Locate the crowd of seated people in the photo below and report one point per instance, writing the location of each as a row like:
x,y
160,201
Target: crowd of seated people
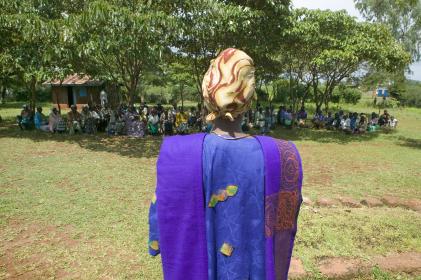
x,y
124,120
265,119
157,120
353,122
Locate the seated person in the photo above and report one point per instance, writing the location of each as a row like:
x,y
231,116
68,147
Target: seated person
x,y
55,122
88,123
362,124
281,115
374,119
336,124
288,118
153,122
167,121
354,121
318,119
393,123
302,114
40,120
192,118
25,118
74,120
181,122
346,123
329,121
384,119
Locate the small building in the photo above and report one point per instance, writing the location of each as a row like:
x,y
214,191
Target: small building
x,y
75,90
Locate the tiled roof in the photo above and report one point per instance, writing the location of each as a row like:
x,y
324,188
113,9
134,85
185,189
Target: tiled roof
x,y
75,80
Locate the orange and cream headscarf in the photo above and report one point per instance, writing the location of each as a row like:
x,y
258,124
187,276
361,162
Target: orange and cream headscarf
x,y
229,85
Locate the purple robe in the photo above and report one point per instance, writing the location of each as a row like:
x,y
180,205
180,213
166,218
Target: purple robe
x,y
181,206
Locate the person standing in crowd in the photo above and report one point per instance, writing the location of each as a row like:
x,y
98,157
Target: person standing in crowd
x,y
104,98
260,120
268,120
159,110
74,120
40,120
226,203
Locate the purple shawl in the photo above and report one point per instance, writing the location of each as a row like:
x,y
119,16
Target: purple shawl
x,y
181,207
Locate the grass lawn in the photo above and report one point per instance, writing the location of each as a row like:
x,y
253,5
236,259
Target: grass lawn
x,y
76,207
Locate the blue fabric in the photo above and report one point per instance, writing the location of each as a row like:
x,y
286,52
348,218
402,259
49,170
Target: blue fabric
x,y
153,228
238,221
38,120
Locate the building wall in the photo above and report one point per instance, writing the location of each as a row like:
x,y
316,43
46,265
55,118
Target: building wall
x,y
82,95
59,93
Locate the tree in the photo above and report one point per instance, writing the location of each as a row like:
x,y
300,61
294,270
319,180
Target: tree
x,y
208,27
403,17
32,50
325,48
119,41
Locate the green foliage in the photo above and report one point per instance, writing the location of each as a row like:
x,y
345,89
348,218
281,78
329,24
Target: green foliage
x,y
325,47
403,17
349,95
119,41
208,27
411,96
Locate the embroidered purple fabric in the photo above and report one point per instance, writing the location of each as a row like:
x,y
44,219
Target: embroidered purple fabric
x,y
181,207
283,183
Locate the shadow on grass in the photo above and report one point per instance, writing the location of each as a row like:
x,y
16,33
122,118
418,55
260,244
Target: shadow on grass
x,y
322,135
149,146
409,142
126,146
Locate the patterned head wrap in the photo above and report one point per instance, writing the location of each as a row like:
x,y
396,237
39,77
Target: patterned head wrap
x,y
229,84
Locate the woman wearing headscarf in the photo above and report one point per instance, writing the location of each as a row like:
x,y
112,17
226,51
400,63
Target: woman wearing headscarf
x,y
134,125
226,203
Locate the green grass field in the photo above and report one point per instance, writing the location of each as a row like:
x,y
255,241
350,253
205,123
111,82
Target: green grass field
x,y
76,207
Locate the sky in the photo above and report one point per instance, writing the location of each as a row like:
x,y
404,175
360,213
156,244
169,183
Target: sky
x,y
349,6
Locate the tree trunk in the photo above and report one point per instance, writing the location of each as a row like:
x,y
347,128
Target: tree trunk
x,y
182,96
3,94
33,100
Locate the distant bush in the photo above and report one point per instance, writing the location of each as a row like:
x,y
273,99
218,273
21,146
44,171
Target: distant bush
x,y
412,95
348,95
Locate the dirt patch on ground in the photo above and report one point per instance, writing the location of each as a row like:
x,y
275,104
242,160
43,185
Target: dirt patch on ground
x,y
345,268
296,269
392,201
372,202
30,250
339,268
404,262
307,201
326,202
350,202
